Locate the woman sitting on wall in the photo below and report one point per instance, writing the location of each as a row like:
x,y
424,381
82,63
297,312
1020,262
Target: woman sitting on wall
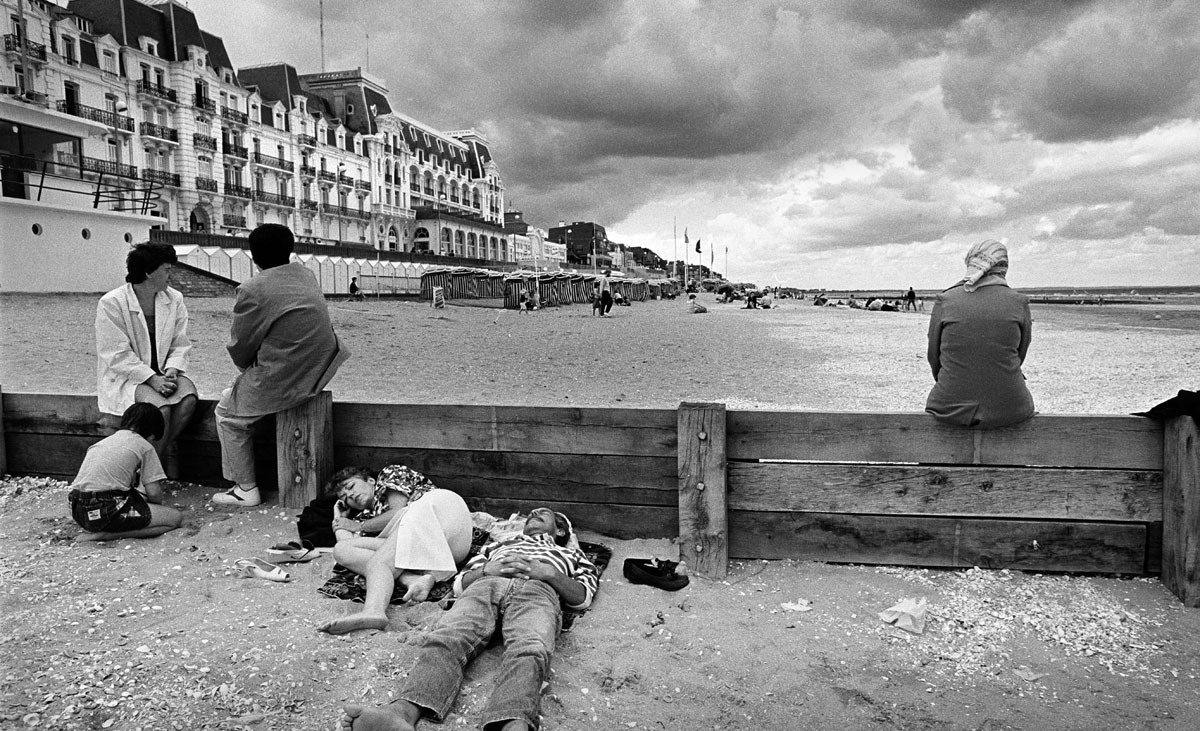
x,y
142,344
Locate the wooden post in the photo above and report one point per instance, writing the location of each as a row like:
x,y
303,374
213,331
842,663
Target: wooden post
x,y
703,523
3,452
304,449
1181,510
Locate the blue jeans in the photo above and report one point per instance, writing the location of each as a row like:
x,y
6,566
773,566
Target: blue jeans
x,y
527,613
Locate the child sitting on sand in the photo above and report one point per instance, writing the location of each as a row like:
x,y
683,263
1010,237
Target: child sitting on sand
x,y
119,478
366,502
695,307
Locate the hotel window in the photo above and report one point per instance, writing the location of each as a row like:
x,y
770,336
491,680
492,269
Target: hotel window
x,y
109,62
159,77
205,166
114,151
203,126
68,51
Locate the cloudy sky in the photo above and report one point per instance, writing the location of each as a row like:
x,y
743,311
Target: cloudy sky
x,y
813,143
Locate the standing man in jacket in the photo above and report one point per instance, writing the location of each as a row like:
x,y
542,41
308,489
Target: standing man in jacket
x,y
284,346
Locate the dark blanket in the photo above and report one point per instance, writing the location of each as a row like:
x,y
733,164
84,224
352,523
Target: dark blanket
x,y
347,585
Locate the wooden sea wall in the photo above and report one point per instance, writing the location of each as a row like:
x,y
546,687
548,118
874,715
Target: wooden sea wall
x,y
1058,493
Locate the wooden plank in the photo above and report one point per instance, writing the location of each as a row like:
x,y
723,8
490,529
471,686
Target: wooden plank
x,y
624,522
1108,442
703,527
941,542
583,478
1064,494
41,413
1181,510
634,432
3,450
304,450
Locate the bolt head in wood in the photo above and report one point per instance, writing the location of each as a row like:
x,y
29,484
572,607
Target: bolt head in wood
x,y
699,548
702,435
699,485
297,434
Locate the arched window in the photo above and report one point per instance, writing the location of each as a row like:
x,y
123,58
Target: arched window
x,y
446,245
414,179
466,193
471,250
475,199
428,184
459,245
393,240
421,239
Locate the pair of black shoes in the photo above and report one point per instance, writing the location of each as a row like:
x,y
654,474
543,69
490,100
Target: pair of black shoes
x,y
652,572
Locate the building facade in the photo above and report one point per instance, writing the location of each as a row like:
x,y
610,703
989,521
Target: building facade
x,y
228,149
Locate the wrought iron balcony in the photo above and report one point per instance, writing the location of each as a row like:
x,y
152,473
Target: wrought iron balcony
x,y
150,129
275,162
203,102
233,220
103,116
34,51
307,205
344,179
275,199
236,151
161,176
234,115
145,86
307,140
327,176
362,184
96,165
308,171
238,191
204,142
414,187
206,184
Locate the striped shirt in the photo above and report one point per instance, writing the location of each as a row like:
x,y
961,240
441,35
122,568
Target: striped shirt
x,y
570,561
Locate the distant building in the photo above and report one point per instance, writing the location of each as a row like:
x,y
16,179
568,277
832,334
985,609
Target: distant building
x,y
586,243
227,150
645,258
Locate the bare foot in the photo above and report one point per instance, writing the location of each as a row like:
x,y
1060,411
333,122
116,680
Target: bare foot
x,y
419,586
353,623
363,718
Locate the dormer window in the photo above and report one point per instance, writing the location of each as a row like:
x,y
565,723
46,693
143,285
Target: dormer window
x,y
151,47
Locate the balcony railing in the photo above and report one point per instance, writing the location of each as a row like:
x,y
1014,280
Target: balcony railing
x,y
307,140
308,171
307,205
145,86
344,179
233,221
414,187
275,162
347,212
150,129
429,190
34,51
238,191
326,175
236,150
203,102
206,184
96,165
161,176
275,199
362,184
103,116
234,115
204,142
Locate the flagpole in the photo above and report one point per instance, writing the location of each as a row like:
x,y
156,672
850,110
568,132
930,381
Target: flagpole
x,y
675,244
727,263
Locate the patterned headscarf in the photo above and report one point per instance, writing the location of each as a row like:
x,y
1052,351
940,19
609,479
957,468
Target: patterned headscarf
x,y
986,259
404,480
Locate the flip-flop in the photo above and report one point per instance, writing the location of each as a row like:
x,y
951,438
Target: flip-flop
x,y
293,552
258,568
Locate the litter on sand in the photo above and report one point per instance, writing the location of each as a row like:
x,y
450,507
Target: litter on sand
x,y
908,615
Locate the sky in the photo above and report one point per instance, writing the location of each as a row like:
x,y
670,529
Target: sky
x,y
836,144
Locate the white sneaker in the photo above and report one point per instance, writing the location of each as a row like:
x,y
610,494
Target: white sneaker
x,y
238,498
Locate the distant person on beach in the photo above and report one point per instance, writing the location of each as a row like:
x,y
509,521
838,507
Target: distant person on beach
x,y
425,535
979,333
606,298
768,299
355,292
119,479
514,589
695,307
142,344
910,300
284,346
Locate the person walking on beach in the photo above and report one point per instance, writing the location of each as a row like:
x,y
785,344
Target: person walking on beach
x,y
284,346
979,333
515,589
606,298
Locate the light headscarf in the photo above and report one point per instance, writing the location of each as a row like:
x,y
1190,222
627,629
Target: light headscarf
x,y
987,263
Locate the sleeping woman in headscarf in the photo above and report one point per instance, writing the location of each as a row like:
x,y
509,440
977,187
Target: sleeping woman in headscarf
x,y
426,536
979,332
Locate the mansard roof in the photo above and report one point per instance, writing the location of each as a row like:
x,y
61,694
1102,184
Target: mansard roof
x,y
171,25
276,82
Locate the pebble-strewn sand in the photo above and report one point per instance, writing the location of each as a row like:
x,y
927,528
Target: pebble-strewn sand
x,y
1111,359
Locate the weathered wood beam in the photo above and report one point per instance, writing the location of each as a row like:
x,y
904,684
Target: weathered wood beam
x,y
1181,510
703,527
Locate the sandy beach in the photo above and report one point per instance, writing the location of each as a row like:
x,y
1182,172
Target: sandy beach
x,y
163,633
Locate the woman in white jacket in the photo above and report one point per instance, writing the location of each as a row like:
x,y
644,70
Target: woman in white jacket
x,y
131,365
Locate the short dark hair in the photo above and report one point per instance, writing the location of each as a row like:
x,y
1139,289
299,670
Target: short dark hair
x,y
345,473
143,259
271,245
144,419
